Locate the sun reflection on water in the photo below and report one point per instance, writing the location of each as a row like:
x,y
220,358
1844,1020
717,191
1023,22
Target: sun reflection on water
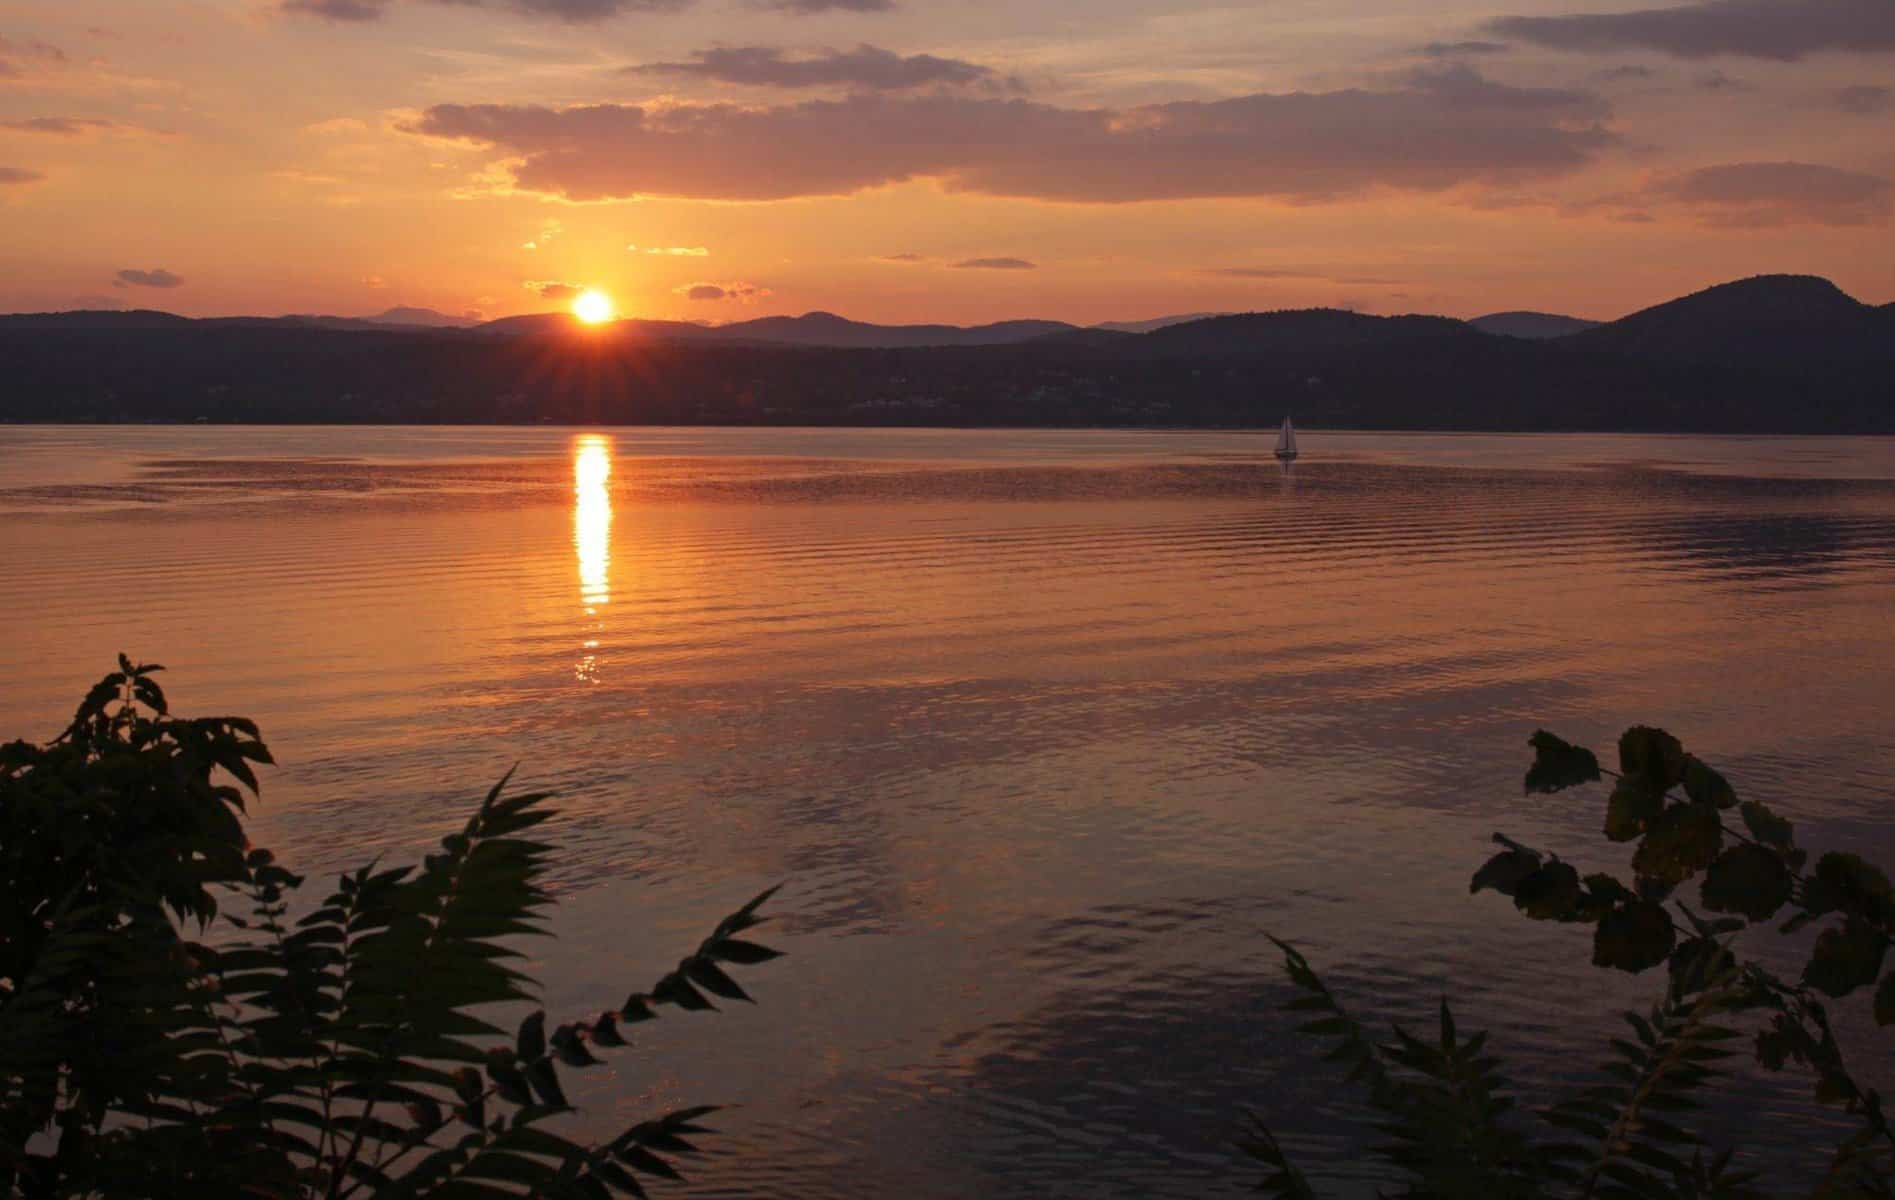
x,y
592,534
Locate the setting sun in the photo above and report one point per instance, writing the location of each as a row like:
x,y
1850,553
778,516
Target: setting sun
x,y
593,307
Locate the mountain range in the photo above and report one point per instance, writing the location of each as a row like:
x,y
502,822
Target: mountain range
x,y
1771,353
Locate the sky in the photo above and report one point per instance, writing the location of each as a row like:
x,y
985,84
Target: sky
x,y
938,160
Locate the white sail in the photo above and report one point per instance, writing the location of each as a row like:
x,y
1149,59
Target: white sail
x,y
1286,440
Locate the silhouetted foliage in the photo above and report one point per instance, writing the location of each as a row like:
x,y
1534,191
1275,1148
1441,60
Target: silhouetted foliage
x,y
1448,1118
345,1050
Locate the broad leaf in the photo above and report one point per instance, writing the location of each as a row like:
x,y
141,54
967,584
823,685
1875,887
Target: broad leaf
x,y
1846,958
1652,755
1633,937
1680,842
1632,808
1705,786
1558,764
1747,879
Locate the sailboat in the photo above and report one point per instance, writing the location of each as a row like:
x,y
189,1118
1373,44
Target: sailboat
x,y
1286,441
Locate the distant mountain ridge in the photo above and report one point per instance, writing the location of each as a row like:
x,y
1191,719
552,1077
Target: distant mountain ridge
x,y
1763,319
1154,323
1768,354
1773,354
425,318
1533,326
1296,329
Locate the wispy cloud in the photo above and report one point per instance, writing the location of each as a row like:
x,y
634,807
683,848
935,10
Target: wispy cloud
x,y
671,251
574,11
552,289
1718,81
157,277
743,293
1783,30
67,127
1765,194
1462,49
865,66
1864,99
810,8
11,176
337,10
1298,274
31,48
994,264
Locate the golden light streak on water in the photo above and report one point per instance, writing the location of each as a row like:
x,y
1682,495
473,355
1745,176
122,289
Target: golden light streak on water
x,y
592,535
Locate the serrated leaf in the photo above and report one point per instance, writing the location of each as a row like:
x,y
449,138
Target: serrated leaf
x,y
1846,958
1652,755
1747,879
1633,806
1558,764
1679,842
1705,786
1635,936
1765,825
1504,871
1550,893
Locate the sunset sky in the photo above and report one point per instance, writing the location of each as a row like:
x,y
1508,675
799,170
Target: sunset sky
x,y
958,160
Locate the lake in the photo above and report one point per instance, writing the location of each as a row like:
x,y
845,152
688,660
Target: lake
x,y
1043,732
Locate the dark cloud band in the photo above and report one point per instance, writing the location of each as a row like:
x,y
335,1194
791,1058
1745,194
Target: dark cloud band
x,y
1783,30
1440,129
866,66
157,277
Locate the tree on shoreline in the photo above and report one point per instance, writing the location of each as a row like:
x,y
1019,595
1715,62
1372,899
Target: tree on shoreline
x,y
340,1051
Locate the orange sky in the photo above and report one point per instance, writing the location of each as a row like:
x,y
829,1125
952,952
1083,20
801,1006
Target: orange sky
x,y
907,160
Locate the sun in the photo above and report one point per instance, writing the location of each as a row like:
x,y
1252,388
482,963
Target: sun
x,y
593,307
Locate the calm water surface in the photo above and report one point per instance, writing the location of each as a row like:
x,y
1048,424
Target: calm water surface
x,y
1044,731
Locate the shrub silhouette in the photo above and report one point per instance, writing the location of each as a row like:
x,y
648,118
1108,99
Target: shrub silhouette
x,y
335,1052
1450,1122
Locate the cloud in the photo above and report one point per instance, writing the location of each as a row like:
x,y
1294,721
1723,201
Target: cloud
x,y
16,175
743,293
157,277
1864,99
1717,81
673,251
1617,74
995,264
1285,273
901,258
357,11
1462,49
812,7
61,126
1783,30
548,231
1436,129
337,10
94,302
31,48
865,66
549,289
1760,195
